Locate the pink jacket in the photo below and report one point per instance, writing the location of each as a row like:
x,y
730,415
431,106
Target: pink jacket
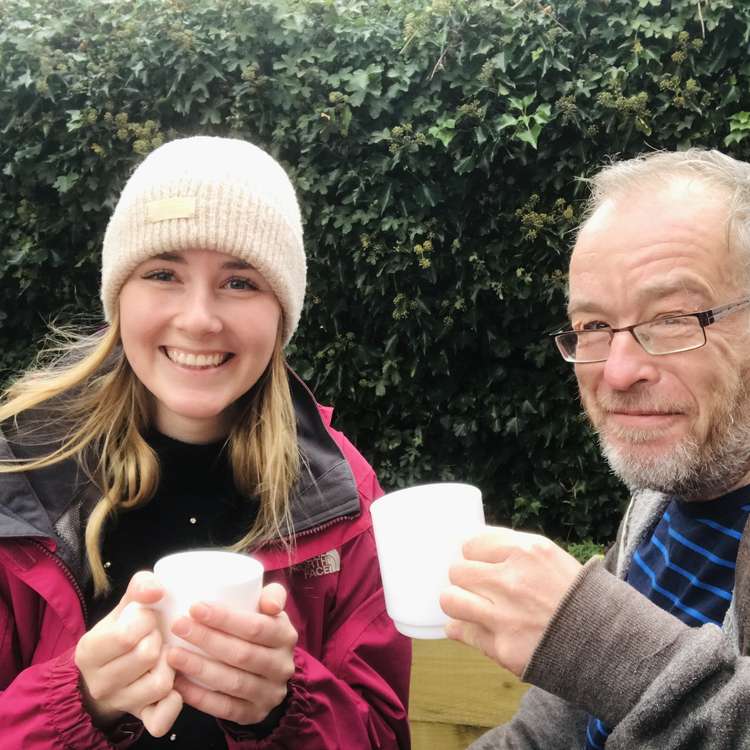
x,y
350,687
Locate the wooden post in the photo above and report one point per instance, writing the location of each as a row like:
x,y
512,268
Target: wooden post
x,y
457,693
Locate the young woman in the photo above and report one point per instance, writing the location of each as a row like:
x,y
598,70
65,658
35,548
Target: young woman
x,y
179,425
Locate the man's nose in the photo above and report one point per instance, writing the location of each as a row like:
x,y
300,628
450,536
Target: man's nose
x,y
628,363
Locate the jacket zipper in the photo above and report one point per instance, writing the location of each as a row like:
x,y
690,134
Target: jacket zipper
x,y
66,571
307,532
323,526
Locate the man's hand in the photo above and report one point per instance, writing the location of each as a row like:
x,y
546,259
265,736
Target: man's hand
x,y
249,658
505,592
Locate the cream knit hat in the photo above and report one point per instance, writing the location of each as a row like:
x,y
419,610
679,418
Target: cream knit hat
x,y
213,194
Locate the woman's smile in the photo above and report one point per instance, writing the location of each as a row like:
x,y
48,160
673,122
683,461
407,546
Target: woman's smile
x,y
196,360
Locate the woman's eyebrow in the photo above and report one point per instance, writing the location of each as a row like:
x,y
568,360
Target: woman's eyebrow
x,y
233,265
174,257
237,265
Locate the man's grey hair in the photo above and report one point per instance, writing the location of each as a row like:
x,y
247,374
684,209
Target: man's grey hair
x,y
650,171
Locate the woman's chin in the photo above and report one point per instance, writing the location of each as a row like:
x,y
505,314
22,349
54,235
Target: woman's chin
x,y
191,421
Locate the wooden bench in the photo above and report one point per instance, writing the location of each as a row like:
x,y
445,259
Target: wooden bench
x,y
457,693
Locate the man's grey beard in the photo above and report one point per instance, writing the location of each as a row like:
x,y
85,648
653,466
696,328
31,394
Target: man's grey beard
x,y
692,471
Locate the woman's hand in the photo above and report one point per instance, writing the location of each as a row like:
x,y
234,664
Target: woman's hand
x,y
123,665
249,658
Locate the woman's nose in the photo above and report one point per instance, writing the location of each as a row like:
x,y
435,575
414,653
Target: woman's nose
x,y
199,313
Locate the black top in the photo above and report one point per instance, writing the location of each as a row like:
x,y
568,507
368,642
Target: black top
x,y
196,506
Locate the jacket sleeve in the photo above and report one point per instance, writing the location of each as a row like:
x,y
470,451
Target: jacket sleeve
x,y
40,701
655,681
354,693
612,653
543,722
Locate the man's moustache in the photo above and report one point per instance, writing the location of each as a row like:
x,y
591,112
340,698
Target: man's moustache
x,y
638,404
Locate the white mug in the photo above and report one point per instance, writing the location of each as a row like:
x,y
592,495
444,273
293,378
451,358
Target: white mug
x,y
231,579
419,532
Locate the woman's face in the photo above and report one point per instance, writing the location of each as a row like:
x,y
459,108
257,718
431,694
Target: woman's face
x,y
198,328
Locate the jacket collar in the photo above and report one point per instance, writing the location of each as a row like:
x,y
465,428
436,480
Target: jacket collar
x,y
326,489
50,503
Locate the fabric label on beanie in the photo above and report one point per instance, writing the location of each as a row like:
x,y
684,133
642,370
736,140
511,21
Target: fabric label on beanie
x,y
170,208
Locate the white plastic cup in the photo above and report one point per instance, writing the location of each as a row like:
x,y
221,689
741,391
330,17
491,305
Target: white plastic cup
x,y
231,579
419,532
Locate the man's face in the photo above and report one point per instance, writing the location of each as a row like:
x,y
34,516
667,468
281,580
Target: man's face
x,y
678,423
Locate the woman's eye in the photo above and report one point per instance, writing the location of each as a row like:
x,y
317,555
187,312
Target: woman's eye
x,y
240,282
160,275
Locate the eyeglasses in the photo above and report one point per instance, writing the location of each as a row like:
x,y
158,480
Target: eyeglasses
x,y
677,333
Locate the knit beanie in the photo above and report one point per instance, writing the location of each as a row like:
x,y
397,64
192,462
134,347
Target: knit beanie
x,y
215,194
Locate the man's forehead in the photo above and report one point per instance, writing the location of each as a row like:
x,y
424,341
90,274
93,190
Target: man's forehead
x,y
654,244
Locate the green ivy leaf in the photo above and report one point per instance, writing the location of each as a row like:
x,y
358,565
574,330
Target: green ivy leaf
x,y
65,182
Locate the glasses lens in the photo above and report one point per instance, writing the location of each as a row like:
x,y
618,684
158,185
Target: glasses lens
x,y
584,346
669,335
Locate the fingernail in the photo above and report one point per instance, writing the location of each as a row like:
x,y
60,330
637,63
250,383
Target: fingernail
x,y
200,610
181,627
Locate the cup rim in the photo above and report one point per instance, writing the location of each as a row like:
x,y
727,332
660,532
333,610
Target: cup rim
x,y
252,565
426,486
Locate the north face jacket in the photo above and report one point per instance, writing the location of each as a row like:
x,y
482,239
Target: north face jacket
x,y
350,686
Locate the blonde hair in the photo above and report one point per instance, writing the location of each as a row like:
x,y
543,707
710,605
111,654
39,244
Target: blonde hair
x,y
85,385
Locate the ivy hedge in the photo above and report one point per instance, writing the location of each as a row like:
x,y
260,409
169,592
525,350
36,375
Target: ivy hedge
x,y
438,148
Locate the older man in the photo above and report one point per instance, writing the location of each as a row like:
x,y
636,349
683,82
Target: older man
x,y
647,649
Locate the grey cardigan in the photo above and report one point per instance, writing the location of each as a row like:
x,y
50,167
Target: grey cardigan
x,y
610,652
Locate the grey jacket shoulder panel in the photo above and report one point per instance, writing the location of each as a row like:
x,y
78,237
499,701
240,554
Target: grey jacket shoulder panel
x,y
45,503
326,489
21,511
